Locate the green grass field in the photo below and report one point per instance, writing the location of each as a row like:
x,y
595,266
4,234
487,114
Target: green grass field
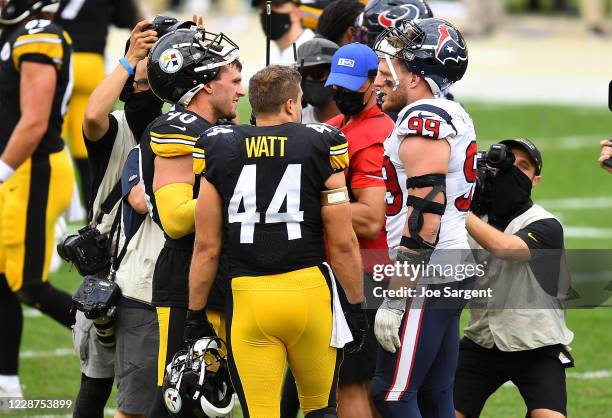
x,y
568,138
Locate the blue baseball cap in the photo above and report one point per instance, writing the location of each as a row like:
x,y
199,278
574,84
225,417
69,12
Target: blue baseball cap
x,y
352,65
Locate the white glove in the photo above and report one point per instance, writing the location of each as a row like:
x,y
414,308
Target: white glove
x,y
386,327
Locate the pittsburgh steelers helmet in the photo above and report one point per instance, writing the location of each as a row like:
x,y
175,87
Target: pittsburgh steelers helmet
x,y
184,60
197,381
15,11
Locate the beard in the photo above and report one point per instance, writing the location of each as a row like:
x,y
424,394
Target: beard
x,y
394,101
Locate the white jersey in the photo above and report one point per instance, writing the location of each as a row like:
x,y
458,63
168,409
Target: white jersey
x,y
436,119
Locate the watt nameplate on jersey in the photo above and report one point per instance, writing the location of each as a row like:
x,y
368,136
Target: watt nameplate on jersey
x,y
265,146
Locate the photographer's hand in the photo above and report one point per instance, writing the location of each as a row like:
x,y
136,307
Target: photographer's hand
x,y
103,99
142,40
605,158
197,326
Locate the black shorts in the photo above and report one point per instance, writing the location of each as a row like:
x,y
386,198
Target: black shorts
x,y
539,375
171,278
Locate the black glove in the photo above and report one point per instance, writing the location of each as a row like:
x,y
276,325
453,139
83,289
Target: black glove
x,y
358,323
197,326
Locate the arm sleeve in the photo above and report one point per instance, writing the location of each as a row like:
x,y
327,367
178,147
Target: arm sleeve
x,y
545,241
176,209
366,167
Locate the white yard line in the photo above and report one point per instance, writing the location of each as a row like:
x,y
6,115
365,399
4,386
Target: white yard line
x,y
58,352
592,375
577,203
587,232
31,313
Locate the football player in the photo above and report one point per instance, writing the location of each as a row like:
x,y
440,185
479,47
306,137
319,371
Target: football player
x,y
429,173
36,176
199,72
269,192
87,22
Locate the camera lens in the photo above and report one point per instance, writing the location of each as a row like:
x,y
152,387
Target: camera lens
x,y
64,248
105,331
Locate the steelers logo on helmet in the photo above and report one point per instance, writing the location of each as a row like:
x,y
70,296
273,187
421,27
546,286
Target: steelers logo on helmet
x,y
450,46
171,60
182,61
172,399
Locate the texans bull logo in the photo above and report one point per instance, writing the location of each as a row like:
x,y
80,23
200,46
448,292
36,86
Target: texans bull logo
x,y
450,46
392,17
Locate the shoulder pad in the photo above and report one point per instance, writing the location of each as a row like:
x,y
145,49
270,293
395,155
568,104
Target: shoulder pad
x,y
171,137
204,141
335,142
426,120
42,39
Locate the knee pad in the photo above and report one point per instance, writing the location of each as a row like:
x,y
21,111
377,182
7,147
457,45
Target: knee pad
x,y
322,413
30,294
419,205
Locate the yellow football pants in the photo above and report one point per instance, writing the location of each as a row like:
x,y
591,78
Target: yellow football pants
x,y
88,73
277,318
31,201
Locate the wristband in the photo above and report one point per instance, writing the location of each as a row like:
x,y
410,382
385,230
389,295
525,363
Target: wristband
x,y
127,66
6,171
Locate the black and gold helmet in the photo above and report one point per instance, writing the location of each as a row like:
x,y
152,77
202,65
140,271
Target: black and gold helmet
x,y
15,11
183,61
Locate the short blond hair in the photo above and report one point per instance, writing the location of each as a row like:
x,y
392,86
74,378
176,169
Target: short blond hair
x,y
271,87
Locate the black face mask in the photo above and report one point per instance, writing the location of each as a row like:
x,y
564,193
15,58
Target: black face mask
x,y
280,24
316,94
510,196
349,103
140,110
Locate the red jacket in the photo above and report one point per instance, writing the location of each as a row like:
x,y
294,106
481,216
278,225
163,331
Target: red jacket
x,y
366,135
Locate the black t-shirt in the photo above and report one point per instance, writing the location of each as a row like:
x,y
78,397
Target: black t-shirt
x,y
545,241
99,153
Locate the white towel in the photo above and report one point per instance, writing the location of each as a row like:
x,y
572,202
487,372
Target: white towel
x,y
341,333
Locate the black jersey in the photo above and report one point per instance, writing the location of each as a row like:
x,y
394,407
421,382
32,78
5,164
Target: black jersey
x,y
270,180
172,134
38,41
87,21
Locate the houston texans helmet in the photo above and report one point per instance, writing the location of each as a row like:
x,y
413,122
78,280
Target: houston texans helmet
x,y
431,48
183,61
15,11
197,381
379,15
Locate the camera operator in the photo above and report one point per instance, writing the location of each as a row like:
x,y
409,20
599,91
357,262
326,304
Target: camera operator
x,y
605,158
109,138
519,333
